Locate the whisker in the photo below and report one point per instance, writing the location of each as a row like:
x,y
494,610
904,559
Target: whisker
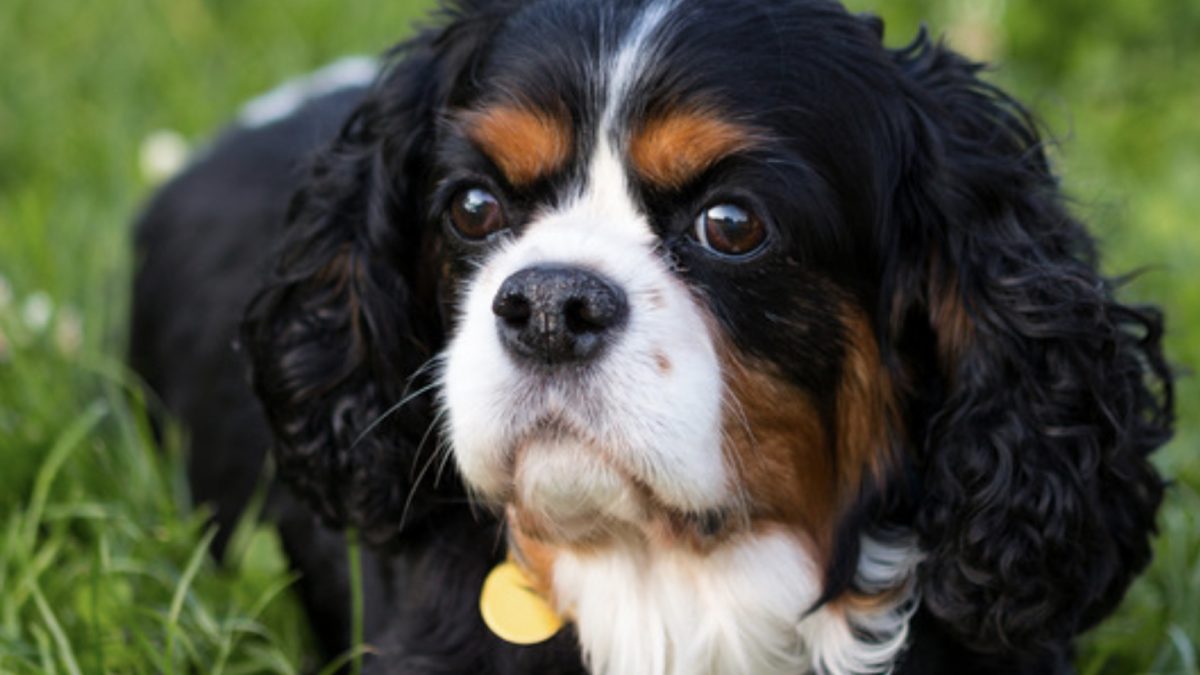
x,y
424,469
404,398
500,532
389,412
447,453
424,437
473,503
731,403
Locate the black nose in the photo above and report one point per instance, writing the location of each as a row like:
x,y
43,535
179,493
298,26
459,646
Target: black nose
x,y
555,314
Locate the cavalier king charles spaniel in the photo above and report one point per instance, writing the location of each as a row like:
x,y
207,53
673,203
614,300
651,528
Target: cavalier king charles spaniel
x,y
752,345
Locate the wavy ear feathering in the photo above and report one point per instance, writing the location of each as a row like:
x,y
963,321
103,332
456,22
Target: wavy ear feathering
x,y
338,337
1038,498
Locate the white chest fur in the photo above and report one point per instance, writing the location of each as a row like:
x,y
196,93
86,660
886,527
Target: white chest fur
x,y
741,609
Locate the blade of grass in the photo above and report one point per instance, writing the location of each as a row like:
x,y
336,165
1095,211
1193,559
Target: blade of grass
x,y
351,655
181,589
66,652
94,602
146,650
44,653
34,567
354,561
66,443
264,661
8,558
1185,648
234,629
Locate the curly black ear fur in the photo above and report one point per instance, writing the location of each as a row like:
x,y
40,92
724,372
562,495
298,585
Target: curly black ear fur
x,y
1038,499
336,337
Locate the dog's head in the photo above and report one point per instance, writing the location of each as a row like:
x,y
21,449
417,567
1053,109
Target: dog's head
x,y
685,271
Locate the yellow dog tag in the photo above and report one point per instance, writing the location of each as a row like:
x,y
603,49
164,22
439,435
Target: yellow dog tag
x,y
513,610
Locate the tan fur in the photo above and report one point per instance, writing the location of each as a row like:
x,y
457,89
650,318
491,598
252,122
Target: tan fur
x,y
867,414
672,149
949,317
780,449
526,144
534,557
792,468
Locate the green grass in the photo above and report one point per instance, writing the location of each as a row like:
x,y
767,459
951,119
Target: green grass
x,y
102,560
102,565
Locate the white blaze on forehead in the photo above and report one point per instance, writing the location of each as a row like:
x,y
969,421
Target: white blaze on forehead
x,y
607,190
635,49
607,198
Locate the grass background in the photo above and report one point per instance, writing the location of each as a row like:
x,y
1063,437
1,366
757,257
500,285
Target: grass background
x,y
102,565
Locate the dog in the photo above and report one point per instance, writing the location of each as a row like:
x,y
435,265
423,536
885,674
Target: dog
x,y
743,343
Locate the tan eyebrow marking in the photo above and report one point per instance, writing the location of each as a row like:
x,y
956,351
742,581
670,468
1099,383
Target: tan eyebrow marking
x,y
672,149
526,144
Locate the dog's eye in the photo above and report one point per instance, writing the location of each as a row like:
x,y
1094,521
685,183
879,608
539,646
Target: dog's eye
x,y
729,229
476,213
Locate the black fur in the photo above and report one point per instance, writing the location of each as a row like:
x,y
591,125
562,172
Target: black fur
x,y
923,191
1038,493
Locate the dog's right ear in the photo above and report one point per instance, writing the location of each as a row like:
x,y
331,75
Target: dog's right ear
x,y
335,339
1038,497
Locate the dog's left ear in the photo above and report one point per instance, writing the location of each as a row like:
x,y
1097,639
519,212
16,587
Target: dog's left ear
x,y
337,338
1037,499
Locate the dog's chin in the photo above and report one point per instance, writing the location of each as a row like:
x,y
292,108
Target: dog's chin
x,y
567,492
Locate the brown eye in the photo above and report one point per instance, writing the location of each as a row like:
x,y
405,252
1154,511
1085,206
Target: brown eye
x,y
729,229
476,213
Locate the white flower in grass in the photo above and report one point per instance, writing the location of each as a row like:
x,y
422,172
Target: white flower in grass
x,y
162,155
68,331
37,310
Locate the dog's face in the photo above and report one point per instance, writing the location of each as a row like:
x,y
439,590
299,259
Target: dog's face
x,y
700,272
664,270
